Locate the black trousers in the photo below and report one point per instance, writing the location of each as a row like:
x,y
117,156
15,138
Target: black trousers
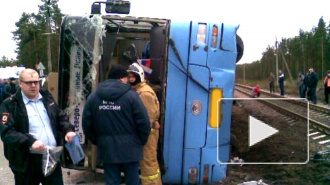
x,y
282,88
326,94
34,175
271,87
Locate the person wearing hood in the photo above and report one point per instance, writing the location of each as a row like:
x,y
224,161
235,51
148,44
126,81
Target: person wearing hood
x,y
150,173
115,119
327,87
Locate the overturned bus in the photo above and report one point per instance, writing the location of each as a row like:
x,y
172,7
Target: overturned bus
x,y
191,66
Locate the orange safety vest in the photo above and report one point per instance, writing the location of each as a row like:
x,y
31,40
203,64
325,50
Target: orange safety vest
x,y
327,81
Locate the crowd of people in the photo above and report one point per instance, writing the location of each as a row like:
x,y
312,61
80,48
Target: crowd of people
x,y
8,87
120,117
307,85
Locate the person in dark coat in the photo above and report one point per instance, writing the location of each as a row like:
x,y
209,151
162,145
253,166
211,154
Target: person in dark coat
x,y
10,88
115,119
31,122
271,80
2,88
312,85
301,84
306,84
281,81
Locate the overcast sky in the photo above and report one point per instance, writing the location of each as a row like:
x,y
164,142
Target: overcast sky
x,y
261,21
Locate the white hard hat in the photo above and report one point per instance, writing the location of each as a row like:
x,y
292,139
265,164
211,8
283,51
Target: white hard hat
x,y
137,69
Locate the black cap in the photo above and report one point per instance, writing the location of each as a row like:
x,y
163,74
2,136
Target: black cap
x,y
117,72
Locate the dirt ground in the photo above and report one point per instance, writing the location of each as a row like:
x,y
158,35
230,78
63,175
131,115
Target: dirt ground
x,y
312,173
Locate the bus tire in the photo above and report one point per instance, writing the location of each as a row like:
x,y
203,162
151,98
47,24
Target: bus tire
x,y
240,48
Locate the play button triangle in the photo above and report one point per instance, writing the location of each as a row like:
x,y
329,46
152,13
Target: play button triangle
x,y
259,131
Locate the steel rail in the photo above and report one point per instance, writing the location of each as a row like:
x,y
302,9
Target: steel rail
x,y
315,124
301,103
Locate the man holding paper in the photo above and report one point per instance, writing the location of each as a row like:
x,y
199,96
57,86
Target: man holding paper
x,y
31,124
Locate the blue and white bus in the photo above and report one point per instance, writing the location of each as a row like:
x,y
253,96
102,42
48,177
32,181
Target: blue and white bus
x,y
192,66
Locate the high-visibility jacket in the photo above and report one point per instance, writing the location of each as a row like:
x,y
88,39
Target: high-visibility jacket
x,y
327,81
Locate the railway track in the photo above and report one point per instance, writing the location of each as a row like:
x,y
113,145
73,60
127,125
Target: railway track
x,y
297,109
267,94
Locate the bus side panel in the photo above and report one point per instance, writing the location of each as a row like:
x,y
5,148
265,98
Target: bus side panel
x,y
224,57
222,63
216,171
197,107
198,43
228,89
191,160
175,104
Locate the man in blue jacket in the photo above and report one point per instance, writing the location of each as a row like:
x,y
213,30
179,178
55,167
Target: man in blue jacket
x,y
116,120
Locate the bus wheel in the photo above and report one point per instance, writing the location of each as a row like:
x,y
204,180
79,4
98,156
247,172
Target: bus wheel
x,y
240,48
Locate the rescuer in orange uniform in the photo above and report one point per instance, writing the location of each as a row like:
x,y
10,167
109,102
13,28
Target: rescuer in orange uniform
x,y
327,87
150,173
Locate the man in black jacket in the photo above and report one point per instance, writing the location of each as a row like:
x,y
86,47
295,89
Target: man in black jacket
x,y
31,121
281,81
116,120
312,80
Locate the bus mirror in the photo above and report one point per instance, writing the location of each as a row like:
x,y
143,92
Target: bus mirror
x,y
120,7
96,8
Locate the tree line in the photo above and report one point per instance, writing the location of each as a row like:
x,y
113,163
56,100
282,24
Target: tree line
x,y
308,49
32,33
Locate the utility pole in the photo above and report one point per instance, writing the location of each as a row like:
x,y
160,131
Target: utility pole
x,y
35,44
276,43
322,53
49,54
287,68
243,73
304,60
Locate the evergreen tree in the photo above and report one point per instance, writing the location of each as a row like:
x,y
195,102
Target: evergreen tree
x,y
31,35
308,49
